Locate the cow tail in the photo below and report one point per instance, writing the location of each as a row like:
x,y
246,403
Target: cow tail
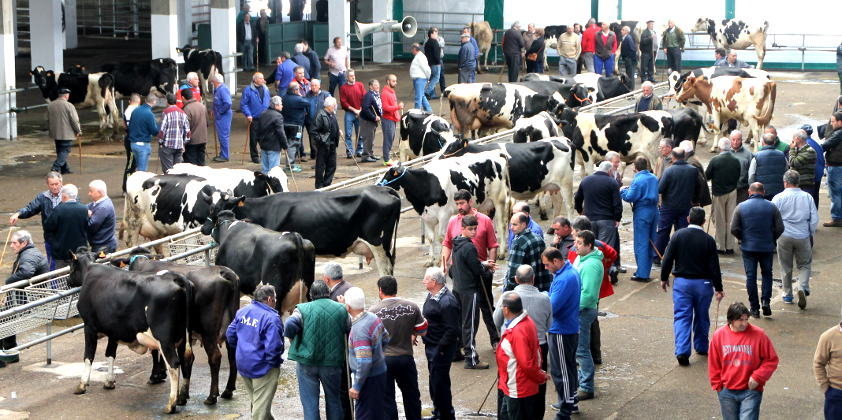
x,y
299,246
234,302
769,93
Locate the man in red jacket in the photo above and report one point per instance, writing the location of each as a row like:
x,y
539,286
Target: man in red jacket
x,y
518,363
351,98
741,360
589,44
391,115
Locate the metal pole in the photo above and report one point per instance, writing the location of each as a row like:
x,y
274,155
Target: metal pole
x,y
49,344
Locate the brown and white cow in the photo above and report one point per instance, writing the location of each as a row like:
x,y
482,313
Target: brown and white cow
x,y
489,107
736,34
749,101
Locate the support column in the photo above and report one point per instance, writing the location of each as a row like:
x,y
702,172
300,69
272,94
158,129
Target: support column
x,y
164,29
8,121
339,20
382,10
46,37
71,38
224,37
185,21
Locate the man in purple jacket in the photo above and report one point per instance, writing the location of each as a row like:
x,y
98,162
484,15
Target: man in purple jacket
x,y
258,335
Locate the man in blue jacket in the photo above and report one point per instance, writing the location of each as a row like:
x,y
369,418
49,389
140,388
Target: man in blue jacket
x,y
757,224
643,196
768,167
221,116
102,218
296,110
563,335
285,72
819,162
467,60
628,55
43,204
254,101
141,131
258,335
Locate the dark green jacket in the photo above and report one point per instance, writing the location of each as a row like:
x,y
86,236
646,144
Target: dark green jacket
x,y
318,330
803,161
723,172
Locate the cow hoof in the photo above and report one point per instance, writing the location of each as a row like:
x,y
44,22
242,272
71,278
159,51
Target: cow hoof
x,y
210,400
155,381
227,394
80,390
170,410
108,385
181,401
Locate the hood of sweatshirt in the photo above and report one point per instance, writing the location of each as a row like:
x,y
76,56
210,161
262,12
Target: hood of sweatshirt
x,y
595,255
460,241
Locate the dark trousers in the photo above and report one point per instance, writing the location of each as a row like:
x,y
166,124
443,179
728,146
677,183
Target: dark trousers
x,y
473,303
833,401
596,341
541,397
513,65
667,219
131,164
442,83
742,194
312,144
674,59
647,67
814,192
439,360
344,398
325,165
629,67
255,155
401,370
518,408
370,404
606,231
562,352
62,151
750,262
195,154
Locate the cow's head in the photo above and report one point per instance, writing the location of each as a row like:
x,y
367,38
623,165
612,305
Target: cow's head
x,y
80,261
705,25
163,73
688,89
392,177
46,82
454,147
225,204
580,95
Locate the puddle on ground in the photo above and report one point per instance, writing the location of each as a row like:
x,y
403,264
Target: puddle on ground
x,y
74,370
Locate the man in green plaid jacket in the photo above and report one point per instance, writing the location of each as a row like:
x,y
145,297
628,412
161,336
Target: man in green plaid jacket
x,y
526,249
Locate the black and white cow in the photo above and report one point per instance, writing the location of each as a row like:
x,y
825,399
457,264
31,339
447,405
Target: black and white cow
x,y
602,87
215,301
206,63
157,76
551,36
430,190
630,135
157,206
258,255
422,133
363,221
535,128
86,90
144,311
736,34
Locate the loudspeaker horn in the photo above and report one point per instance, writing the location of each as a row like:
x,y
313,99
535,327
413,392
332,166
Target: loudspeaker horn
x,y
407,27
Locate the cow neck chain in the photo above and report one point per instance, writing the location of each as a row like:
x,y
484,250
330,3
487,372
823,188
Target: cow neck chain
x,y
581,101
385,183
133,258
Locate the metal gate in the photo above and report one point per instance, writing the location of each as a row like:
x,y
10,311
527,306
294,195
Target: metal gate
x,y
126,18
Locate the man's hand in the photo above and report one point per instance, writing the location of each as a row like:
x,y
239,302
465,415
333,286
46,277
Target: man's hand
x,y
353,393
14,218
340,298
90,213
249,119
377,119
752,384
616,223
400,104
665,284
719,296
414,339
665,50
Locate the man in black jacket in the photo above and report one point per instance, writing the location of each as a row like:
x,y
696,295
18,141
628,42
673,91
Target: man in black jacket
x,y
29,263
598,198
432,50
68,226
441,310
270,134
679,186
326,135
467,272
370,112
248,35
628,55
512,46
833,161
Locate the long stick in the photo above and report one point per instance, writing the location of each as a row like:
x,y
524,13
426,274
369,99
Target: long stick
x,y
716,321
291,173
79,137
6,245
248,139
348,374
486,396
656,249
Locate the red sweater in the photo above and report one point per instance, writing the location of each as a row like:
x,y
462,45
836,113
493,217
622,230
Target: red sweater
x,y
351,96
390,104
734,357
589,38
519,359
609,255
197,95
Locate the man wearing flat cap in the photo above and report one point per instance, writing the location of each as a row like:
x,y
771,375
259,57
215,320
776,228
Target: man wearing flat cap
x,y
64,127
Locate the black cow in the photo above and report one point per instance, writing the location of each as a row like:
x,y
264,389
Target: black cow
x,y
216,298
422,133
157,76
207,63
86,90
335,221
686,125
259,255
147,311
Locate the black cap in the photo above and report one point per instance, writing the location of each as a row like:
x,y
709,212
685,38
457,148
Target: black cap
x,y
64,91
807,129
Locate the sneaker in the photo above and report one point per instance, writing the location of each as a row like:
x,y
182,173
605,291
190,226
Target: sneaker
x,y
296,168
788,299
387,163
802,300
584,395
479,365
767,310
575,409
683,360
556,406
755,313
622,270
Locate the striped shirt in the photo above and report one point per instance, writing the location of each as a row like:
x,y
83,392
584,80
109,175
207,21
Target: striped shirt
x,y
365,348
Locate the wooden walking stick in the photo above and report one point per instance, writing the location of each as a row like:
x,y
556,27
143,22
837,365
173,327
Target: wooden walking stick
x,y
246,145
6,245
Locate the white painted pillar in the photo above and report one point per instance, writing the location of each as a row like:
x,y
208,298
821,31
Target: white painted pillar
x,y
339,20
71,38
164,29
47,40
382,10
185,22
224,37
8,121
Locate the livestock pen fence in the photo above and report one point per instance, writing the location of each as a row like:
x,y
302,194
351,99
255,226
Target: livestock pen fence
x,y
39,302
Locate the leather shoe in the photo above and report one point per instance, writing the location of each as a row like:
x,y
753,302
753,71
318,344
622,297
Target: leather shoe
x,y
767,310
755,313
368,159
584,395
640,279
219,159
833,223
479,365
683,360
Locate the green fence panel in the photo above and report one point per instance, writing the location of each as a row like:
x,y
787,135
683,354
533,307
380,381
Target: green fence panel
x,y
204,31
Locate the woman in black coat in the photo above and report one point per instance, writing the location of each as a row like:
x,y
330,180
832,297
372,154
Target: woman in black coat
x,y
536,52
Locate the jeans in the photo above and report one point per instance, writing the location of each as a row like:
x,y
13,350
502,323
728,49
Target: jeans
x,y
740,405
583,350
467,75
261,392
562,354
62,151
834,186
674,59
269,159
169,157
141,152
833,400
336,80
388,127
567,66
435,73
606,64
401,370
645,223
690,304
802,251
195,154
352,126
606,231
667,220
247,48
309,378
421,102
513,66
439,360
750,261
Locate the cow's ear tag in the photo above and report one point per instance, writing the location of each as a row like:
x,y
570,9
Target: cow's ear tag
x,y
101,254
123,264
241,203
